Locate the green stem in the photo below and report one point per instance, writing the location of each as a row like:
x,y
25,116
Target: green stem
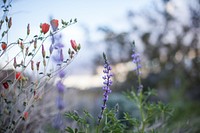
x,y
141,111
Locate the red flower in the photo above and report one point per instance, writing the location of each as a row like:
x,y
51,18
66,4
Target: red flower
x,y
6,85
74,45
3,45
44,28
25,115
54,24
18,76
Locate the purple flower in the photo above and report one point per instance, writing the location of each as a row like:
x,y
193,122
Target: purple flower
x,y
60,103
60,87
62,73
58,121
137,62
58,45
106,88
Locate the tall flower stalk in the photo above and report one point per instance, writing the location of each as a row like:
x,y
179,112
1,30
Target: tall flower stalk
x,y
137,62
106,88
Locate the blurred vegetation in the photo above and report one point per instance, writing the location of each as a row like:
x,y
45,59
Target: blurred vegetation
x,y
169,41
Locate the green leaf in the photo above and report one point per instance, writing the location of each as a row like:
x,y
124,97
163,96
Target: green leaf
x,y
69,130
29,54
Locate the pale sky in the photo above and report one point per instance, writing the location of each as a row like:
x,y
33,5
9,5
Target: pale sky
x,y
90,14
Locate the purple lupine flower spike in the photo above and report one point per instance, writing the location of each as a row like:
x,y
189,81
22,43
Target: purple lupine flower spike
x,y
106,88
137,62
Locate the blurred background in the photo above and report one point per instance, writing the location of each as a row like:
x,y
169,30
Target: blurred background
x,y
166,34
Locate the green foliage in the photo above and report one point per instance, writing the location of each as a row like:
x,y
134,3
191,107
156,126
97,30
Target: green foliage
x,y
153,116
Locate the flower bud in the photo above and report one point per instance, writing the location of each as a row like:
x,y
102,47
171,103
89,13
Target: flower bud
x,y
3,45
28,29
44,62
43,51
6,85
25,116
6,19
18,76
73,44
10,23
54,24
32,65
44,28
26,53
21,45
38,65
15,63
61,56
35,43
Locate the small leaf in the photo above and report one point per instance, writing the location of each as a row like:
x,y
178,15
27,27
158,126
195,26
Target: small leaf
x,y
20,39
75,20
69,129
13,122
29,54
49,74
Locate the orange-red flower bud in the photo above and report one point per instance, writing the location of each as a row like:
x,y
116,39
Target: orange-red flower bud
x,y
54,24
3,45
44,28
25,116
73,44
6,85
18,76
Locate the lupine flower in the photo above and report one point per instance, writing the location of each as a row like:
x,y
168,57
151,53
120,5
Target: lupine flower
x,y
61,56
60,103
54,24
60,87
106,88
6,85
58,122
62,73
51,49
44,28
3,45
137,62
58,45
